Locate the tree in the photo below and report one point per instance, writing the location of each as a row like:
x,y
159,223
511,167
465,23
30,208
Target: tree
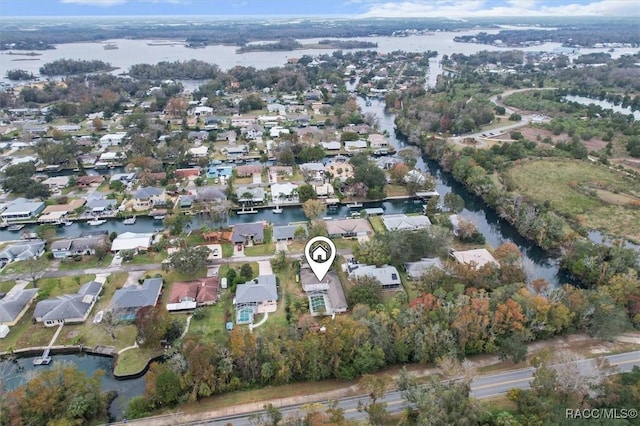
x,y
109,323
409,156
372,252
313,209
152,323
35,266
306,192
453,202
190,260
398,172
56,396
375,387
246,271
177,222
101,252
366,291
46,232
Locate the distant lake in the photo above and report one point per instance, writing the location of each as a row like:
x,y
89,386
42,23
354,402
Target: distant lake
x,y
131,52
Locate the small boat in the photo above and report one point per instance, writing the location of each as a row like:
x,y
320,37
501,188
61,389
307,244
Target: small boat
x,y
158,217
277,210
29,236
64,223
96,222
110,46
368,102
98,318
354,205
130,221
4,225
16,228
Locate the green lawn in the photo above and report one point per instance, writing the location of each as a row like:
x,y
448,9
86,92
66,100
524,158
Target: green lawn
x,y
212,326
5,286
227,250
376,224
148,258
134,360
52,287
590,194
85,262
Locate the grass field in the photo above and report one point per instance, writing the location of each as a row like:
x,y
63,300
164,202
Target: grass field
x,y
596,197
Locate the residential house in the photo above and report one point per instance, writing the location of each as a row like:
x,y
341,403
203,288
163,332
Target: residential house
x,y
22,250
68,308
242,120
236,151
15,304
355,146
215,171
56,182
254,131
331,146
89,181
185,201
378,141
214,122
287,232
148,197
112,139
76,246
199,151
415,270
98,206
401,222
132,241
323,190
388,276
257,296
21,208
476,258
248,170
127,301
122,177
313,171
282,191
277,108
229,136
209,194
200,135
346,228
247,194
202,110
191,294
111,157
281,170
325,297
192,172
277,131
248,233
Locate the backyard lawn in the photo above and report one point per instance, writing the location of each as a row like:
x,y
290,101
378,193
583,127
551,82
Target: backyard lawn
x,y
376,224
134,360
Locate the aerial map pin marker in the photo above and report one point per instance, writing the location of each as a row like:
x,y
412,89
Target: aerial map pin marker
x,y
320,253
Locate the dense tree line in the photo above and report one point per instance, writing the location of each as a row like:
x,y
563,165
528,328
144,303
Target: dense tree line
x,y
17,180
282,44
348,44
19,75
74,66
182,70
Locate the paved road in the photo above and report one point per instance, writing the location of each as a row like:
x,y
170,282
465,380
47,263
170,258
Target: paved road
x,y
482,387
145,267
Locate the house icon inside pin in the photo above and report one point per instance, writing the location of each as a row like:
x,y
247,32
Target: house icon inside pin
x,y
319,254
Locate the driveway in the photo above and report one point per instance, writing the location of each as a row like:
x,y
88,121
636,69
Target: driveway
x,y
133,278
264,267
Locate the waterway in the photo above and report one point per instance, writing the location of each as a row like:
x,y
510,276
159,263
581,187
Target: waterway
x,y
583,100
18,372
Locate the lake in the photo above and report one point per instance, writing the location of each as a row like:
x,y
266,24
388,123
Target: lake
x,y
583,100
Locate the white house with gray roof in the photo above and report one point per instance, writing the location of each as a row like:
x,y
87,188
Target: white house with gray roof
x,y
257,296
77,246
325,297
415,270
401,222
22,250
127,301
68,308
387,275
21,208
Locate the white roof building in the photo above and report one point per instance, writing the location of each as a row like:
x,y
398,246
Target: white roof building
x,y
199,151
132,241
477,257
396,222
283,190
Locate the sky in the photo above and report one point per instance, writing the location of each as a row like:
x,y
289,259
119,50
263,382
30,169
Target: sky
x,y
355,8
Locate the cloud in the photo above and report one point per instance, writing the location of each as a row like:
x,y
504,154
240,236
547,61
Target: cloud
x,y
481,8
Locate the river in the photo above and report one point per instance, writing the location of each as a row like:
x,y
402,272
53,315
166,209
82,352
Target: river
x,y
17,373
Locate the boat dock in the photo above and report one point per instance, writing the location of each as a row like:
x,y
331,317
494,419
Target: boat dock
x,y
45,359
